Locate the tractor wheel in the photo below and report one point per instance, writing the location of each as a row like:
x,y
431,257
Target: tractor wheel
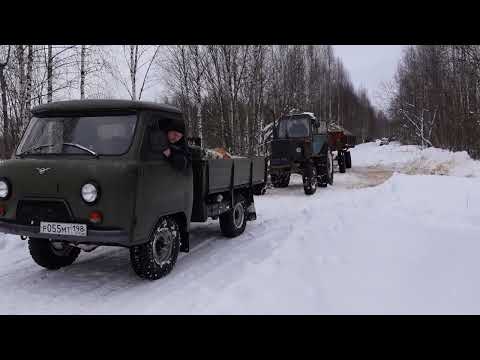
x,y
341,162
310,181
348,160
281,180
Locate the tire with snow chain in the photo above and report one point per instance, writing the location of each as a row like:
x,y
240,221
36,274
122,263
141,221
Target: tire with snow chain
x,y
234,221
156,258
348,160
328,177
281,181
310,181
275,179
52,255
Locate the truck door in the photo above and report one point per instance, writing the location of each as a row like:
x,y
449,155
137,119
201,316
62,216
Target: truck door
x,y
162,190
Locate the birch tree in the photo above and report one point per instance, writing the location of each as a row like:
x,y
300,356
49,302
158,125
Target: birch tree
x,y
3,87
132,70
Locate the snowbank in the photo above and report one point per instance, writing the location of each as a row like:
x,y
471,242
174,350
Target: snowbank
x,y
410,159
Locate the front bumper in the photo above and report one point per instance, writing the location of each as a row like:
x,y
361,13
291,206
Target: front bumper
x,y
95,237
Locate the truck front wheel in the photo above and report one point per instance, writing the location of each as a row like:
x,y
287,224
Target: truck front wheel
x,y
52,255
233,222
158,256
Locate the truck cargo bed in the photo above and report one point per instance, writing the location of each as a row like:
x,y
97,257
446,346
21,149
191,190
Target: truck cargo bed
x,y
216,176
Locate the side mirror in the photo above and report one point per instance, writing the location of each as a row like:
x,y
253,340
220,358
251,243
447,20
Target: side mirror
x,y
158,141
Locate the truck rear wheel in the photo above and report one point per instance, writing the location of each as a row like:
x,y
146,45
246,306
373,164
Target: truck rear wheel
x,y
233,222
52,255
348,160
158,256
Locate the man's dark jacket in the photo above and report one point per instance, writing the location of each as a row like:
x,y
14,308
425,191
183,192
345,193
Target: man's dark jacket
x,y
180,155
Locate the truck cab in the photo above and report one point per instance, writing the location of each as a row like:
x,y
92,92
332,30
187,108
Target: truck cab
x,y
89,173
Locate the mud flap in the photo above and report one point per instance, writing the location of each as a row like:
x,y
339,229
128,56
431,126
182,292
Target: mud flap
x,y
185,242
251,212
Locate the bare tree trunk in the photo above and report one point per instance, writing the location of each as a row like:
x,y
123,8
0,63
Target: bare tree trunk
x,y
16,122
20,53
49,74
133,69
3,87
82,72
198,91
28,89
199,118
154,56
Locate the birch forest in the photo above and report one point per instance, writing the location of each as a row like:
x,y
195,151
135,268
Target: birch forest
x,y
435,97
228,93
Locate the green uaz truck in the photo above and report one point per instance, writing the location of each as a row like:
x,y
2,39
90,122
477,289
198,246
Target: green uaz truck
x,y
90,173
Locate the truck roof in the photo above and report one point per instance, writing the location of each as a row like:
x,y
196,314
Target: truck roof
x,y
75,106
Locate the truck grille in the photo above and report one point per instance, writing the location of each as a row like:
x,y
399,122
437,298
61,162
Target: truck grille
x,y
31,212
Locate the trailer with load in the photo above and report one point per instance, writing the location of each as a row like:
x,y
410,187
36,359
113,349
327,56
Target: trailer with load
x,y
92,173
341,140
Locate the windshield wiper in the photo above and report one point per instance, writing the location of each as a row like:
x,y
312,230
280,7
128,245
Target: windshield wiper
x,y
67,144
34,149
78,146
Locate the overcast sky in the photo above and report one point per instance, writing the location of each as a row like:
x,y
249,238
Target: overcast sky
x,y
370,65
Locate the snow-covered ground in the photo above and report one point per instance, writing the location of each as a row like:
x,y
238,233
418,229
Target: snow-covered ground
x,y
378,241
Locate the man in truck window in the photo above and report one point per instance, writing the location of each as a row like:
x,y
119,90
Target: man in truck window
x,y
177,152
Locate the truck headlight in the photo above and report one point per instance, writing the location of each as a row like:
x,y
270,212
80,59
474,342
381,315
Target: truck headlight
x,y
299,149
90,192
4,189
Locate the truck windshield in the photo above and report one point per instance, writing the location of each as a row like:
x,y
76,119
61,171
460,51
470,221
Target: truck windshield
x,y
293,127
102,135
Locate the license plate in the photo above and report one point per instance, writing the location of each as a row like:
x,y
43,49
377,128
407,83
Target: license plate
x,y
63,229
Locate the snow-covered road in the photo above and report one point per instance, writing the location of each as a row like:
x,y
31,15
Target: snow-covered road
x,y
375,242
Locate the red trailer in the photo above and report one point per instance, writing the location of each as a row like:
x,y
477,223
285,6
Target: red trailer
x,y
341,140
